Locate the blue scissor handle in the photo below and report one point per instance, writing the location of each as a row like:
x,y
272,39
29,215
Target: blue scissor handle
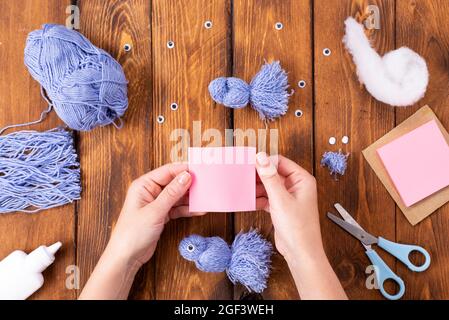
x,y
384,273
402,252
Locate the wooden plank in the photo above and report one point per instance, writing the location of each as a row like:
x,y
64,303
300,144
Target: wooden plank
x,y
181,75
342,108
20,101
112,158
256,39
423,27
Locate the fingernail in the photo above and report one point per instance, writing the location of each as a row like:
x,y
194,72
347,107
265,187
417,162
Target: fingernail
x,y
184,178
262,159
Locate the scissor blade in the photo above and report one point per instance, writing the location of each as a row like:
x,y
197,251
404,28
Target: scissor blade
x,y
354,230
345,214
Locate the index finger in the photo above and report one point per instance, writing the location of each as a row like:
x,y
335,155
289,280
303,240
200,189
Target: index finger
x,y
165,174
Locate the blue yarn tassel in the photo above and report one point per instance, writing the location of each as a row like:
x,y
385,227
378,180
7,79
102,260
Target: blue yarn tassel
x,y
267,92
38,170
247,261
336,162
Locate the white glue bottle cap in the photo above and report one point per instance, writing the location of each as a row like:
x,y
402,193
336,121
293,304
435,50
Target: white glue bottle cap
x,y
39,259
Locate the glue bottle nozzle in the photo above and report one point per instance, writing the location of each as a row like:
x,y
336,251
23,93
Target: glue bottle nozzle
x,y
54,247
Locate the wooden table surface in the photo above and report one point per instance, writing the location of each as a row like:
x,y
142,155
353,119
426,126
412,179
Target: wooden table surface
x,y
242,36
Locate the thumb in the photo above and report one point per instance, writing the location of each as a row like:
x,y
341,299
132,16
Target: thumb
x,y
173,192
270,178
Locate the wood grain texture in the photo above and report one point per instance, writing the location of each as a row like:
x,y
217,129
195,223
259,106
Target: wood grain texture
x,y
255,40
342,108
181,75
423,26
242,36
112,158
20,101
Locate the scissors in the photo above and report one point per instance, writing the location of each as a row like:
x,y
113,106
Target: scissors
x,y
381,270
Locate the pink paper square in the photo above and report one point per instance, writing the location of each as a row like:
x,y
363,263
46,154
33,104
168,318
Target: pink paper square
x,y
417,162
224,179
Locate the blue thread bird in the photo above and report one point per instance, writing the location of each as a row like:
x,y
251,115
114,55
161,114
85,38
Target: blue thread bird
x,y
247,261
267,92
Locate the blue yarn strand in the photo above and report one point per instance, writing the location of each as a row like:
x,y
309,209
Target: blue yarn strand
x,y
38,170
267,93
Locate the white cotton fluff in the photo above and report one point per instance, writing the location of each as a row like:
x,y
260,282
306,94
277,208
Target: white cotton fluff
x,y
399,78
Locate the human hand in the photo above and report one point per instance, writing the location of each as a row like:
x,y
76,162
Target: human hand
x,y
152,200
289,194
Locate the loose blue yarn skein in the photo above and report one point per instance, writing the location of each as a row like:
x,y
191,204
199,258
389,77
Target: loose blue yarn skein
x,y
247,261
86,86
267,92
38,170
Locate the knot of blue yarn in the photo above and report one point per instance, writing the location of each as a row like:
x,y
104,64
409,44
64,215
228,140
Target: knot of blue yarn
x,y
267,92
247,261
86,86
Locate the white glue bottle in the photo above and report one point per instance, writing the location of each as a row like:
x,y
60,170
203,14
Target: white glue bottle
x,y
21,273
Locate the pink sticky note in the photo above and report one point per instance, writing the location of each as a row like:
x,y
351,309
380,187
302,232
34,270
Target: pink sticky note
x,y
224,179
417,162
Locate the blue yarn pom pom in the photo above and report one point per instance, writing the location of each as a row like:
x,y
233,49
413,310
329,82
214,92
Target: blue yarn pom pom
x,y
86,86
267,92
336,162
38,170
246,262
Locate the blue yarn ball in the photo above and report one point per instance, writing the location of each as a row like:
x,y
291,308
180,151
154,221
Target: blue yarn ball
x,y
86,86
209,254
231,92
267,92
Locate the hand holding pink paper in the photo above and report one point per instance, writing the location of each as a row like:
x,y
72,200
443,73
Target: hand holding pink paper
x,y
224,179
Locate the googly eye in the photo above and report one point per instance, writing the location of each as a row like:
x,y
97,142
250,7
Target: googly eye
x,y
170,44
278,26
298,113
208,24
127,47
302,84
327,52
160,119
190,248
345,140
332,140
174,106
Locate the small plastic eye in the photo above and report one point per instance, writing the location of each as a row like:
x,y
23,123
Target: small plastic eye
x,y
208,24
127,47
278,26
298,113
190,248
345,140
170,44
160,119
332,140
327,52
174,106
302,84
